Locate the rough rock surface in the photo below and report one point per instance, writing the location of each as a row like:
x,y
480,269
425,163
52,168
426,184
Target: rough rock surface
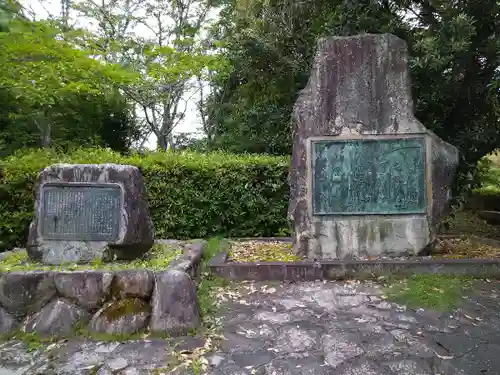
x,y
86,288
132,283
57,318
312,328
23,293
360,88
174,302
192,253
44,300
349,328
135,232
121,317
7,322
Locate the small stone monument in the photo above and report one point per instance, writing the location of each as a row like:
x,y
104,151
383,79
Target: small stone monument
x,y
90,211
367,178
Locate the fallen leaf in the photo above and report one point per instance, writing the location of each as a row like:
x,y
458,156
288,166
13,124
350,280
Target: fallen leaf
x,y
444,356
361,320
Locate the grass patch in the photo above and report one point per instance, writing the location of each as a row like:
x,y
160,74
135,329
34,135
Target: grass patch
x,y
32,340
255,251
158,258
210,284
438,292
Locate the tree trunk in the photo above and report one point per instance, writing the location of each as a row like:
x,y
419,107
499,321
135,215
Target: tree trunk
x,y
166,128
44,125
47,135
164,142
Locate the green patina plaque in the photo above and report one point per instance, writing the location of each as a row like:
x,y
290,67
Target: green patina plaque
x,y
368,176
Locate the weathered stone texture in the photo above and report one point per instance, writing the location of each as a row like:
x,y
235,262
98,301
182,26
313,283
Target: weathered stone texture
x,y
175,304
121,302
57,318
136,230
23,293
7,322
132,283
328,328
87,288
121,317
192,254
359,87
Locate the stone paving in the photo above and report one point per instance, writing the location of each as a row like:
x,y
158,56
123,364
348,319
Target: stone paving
x,y
314,328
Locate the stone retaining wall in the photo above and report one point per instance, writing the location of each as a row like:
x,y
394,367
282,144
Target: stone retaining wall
x,y
306,270
58,303
351,269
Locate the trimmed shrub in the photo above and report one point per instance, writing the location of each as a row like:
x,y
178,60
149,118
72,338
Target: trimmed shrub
x,y
191,195
487,195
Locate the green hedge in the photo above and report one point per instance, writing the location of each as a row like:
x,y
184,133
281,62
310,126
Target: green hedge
x,y
190,195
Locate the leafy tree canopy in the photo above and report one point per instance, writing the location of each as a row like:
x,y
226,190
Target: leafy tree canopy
x,y
455,59
54,91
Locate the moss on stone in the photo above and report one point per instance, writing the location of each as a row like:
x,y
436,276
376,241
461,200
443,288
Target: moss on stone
x,y
124,307
158,258
33,340
95,370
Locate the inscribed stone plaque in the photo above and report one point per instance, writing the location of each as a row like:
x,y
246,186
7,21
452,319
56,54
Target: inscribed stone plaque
x,y
369,176
80,211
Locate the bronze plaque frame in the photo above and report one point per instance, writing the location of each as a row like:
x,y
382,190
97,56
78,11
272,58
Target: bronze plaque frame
x,y
424,142
74,211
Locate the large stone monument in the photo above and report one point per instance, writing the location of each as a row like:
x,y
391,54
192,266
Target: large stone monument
x,y
367,178
85,212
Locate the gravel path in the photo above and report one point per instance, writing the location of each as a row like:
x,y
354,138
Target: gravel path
x,y
316,328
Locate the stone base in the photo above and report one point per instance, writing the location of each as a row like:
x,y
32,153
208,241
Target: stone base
x,y
122,302
82,252
362,237
363,269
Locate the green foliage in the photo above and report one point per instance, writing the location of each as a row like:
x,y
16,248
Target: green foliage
x,y
210,284
166,61
103,120
124,307
191,195
54,93
489,175
41,67
453,63
431,291
158,258
467,223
